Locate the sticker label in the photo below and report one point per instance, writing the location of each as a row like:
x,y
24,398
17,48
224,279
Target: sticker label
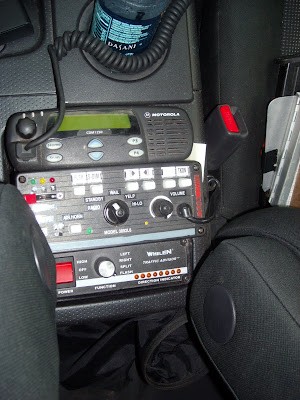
x,y
178,193
95,199
123,35
138,203
130,196
72,217
82,178
114,192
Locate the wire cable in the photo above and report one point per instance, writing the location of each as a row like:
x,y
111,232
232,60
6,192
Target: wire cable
x,y
60,102
184,210
116,61
108,57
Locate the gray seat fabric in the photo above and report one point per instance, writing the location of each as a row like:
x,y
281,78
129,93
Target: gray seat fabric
x,y
29,362
257,262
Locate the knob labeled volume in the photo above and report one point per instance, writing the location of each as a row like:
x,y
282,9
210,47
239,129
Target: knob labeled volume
x,y
26,128
161,207
116,212
105,268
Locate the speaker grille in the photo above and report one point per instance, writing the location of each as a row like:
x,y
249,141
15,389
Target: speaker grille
x,y
169,137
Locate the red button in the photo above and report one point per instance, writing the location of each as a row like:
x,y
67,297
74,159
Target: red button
x,y
64,272
30,198
228,119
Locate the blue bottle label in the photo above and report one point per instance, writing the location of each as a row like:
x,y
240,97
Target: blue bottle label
x,y
121,34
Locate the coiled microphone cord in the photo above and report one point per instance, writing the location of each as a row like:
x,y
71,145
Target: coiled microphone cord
x,y
109,58
116,61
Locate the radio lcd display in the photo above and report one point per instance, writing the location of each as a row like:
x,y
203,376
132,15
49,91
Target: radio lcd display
x,y
74,122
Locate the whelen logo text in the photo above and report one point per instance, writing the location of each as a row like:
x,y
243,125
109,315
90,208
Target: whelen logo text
x,y
159,253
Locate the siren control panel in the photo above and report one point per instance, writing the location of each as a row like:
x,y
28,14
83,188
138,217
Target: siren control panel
x,y
116,227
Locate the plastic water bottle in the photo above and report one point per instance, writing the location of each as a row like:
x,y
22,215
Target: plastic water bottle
x,y
127,26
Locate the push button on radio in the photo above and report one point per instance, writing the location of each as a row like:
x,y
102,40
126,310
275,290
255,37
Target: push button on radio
x,y
54,158
136,153
96,155
53,145
95,144
134,141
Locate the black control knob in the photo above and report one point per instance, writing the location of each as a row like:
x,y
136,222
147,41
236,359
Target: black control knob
x,y
26,128
184,210
162,208
105,267
116,212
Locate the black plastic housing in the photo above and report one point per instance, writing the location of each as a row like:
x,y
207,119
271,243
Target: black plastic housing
x,y
221,143
14,22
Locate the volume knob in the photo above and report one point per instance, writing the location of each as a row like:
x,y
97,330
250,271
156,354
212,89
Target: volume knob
x,y
161,207
26,128
105,268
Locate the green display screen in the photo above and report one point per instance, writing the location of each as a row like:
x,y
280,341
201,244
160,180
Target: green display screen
x,y
94,121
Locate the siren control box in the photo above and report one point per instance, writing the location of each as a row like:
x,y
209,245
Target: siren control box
x,y
117,227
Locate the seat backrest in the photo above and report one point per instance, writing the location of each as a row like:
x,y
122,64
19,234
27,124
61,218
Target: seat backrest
x,y
245,305
29,362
